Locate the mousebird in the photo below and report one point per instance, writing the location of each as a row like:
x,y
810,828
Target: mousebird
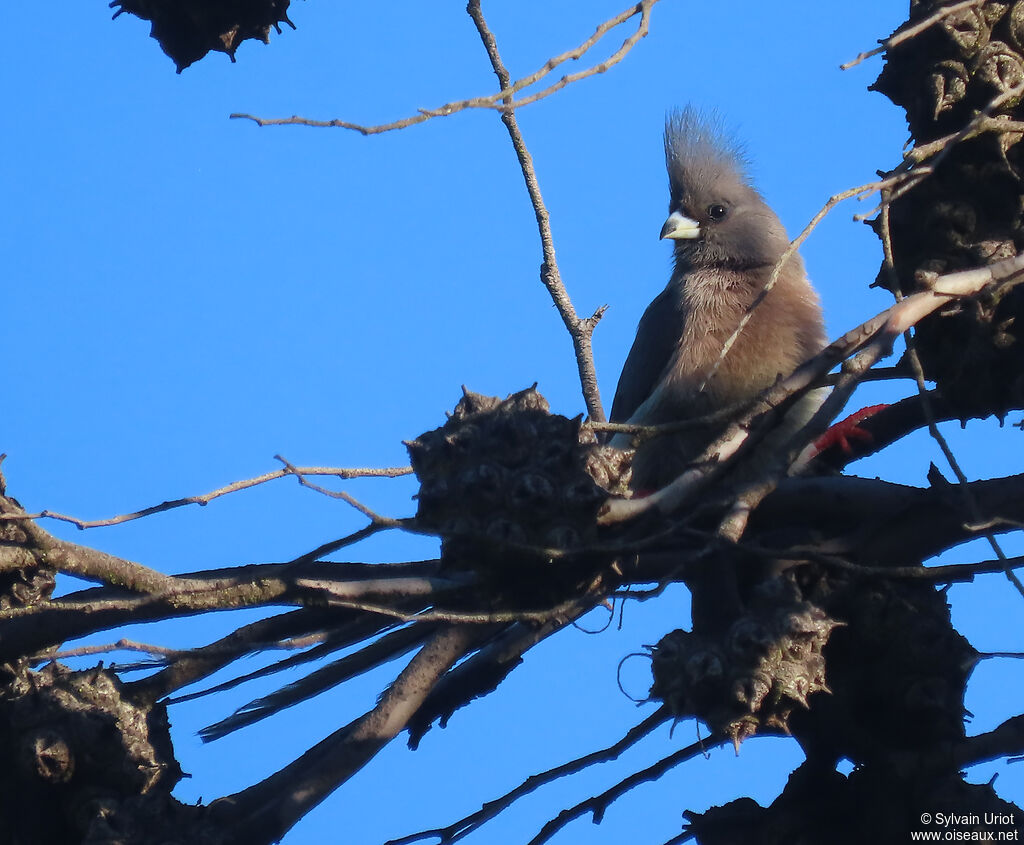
x,y
726,243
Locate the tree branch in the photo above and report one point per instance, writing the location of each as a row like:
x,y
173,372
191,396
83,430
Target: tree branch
x,y
474,821
206,498
580,330
598,804
266,811
499,101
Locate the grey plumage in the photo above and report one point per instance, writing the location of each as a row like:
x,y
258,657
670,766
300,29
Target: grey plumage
x,y
727,241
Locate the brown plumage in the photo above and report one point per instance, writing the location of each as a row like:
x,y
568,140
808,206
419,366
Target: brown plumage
x,y
727,240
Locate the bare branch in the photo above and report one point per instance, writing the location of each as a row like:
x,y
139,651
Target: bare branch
x,y
206,498
474,821
905,33
1003,741
80,560
963,486
120,645
946,574
580,330
373,516
598,804
501,101
273,632
264,812
390,646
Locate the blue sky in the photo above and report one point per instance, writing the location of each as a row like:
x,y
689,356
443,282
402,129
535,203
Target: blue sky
x,y
185,296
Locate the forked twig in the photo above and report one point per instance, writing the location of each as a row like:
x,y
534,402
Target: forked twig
x,y
597,804
502,100
474,821
905,33
580,330
205,498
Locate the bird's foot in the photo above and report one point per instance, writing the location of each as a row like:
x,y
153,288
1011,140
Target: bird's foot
x,y
845,431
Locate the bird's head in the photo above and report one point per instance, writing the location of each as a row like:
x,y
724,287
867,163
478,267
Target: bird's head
x,y
716,217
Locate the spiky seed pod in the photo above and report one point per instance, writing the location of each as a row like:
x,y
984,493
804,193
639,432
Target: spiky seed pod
x,y
79,752
189,29
897,668
749,679
970,211
507,472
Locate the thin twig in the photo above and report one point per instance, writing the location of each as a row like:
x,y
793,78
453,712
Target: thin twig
x,y
500,101
945,574
452,616
754,491
905,33
912,172
266,811
580,330
120,645
773,279
599,803
206,498
374,517
348,540
647,432
474,821
963,486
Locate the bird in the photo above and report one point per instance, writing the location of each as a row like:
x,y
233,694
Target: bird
x,y
727,240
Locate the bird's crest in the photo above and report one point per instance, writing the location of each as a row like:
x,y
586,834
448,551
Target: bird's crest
x,y
699,150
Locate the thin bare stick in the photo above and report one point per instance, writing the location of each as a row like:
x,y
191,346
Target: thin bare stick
x,y
499,101
206,498
647,432
599,803
944,574
474,821
84,562
440,615
905,33
120,645
912,172
343,542
580,330
773,279
264,812
963,486
643,7
373,516
767,480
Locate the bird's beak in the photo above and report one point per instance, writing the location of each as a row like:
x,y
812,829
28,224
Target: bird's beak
x,y
680,227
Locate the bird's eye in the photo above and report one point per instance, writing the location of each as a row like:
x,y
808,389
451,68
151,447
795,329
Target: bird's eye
x,y
717,212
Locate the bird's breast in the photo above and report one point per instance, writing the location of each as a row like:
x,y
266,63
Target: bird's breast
x,y
714,302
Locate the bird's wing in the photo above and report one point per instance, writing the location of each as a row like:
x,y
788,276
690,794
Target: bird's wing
x,y
656,340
